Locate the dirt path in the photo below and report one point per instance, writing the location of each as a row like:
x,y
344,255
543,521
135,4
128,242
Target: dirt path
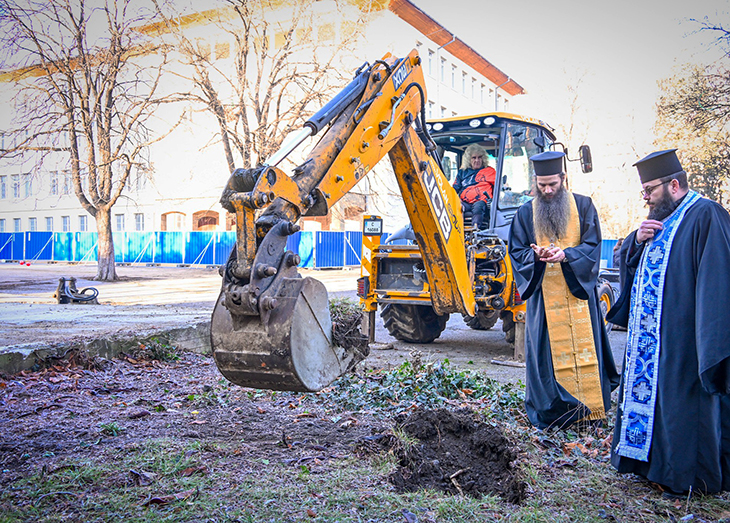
x,y
151,299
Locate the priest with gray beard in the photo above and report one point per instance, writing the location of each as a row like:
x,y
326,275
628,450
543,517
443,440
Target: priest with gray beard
x,y
555,246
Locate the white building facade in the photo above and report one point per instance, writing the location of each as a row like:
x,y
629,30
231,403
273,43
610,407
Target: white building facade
x,y
187,171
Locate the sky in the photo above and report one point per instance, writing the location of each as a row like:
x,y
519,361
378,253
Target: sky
x,y
611,53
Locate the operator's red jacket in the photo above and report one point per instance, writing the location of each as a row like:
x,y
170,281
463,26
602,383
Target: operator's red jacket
x,y
483,183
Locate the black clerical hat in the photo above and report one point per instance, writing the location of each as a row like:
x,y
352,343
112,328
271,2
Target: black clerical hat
x,y
548,163
658,165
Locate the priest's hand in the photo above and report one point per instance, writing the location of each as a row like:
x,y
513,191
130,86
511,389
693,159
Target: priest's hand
x,y
540,252
548,254
648,229
553,255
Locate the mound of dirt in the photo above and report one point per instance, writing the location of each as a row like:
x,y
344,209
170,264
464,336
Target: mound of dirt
x,y
456,453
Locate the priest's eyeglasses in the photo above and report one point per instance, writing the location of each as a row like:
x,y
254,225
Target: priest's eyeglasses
x,y
645,193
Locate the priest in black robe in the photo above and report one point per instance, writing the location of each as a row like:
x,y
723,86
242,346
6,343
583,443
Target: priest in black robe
x,y
673,416
555,246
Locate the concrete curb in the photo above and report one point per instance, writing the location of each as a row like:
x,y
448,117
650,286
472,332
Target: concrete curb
x,y
17,358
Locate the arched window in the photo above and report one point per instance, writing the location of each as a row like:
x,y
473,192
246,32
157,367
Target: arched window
x,y
172,221
205,221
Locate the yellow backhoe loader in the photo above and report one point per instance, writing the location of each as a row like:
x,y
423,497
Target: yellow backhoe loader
x,y
270,327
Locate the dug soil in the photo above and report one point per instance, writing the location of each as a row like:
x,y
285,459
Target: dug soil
x,y
79,411
457,453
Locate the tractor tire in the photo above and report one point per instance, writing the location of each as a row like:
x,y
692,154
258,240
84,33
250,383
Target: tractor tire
x,y
483,321
508,327
605,302
413,323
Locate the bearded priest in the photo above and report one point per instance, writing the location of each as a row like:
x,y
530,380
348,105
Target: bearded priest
x,y
673,417
555,246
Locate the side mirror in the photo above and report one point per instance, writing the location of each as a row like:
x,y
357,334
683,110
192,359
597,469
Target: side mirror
x,y
586,160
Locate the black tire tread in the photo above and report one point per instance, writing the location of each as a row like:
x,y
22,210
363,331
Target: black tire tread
x,y
483,321
605,288
413,323
508,326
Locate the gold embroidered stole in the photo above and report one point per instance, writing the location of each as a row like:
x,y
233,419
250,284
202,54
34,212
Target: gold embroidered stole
x,y
569,327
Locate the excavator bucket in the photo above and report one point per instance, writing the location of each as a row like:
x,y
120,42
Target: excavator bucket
x,y
271,329
291,350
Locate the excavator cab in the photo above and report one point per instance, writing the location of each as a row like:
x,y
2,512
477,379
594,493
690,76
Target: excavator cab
x,y
509,140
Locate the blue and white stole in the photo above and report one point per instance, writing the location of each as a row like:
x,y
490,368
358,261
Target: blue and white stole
x,y
641,366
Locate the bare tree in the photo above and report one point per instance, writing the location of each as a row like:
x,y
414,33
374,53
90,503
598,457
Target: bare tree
x,y
692,116
88,84
270,69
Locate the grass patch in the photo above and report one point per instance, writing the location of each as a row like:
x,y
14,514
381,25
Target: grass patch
x,y
211,469
418,384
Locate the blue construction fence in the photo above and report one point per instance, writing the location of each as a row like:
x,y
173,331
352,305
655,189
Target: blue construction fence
x,y
317,249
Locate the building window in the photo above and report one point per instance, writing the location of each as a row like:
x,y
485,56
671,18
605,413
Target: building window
x,y
473,88
431,106
49,223
119,222
138,221
204,50
453,77
463,84
137,180
205,221
172,221
15,180
2,224
27,185
443,112
32,224
326,32
66,183
83,223
66,223
3,187
279,39
443,69
304,35
16,224
481,94
222,50
54,184
430,62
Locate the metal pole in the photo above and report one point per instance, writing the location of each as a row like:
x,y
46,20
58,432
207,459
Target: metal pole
x,y
496,96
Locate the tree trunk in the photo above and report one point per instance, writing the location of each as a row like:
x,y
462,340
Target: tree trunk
x,y
106,270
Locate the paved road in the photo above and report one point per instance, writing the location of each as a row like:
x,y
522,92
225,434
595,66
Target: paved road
x,y
148,299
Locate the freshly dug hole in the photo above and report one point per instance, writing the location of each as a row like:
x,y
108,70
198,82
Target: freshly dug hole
x,y
455,453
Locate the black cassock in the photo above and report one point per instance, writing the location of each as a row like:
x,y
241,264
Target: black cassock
x,y
547,403
690,445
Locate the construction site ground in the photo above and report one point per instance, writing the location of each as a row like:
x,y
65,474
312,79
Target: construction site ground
x,y
177,302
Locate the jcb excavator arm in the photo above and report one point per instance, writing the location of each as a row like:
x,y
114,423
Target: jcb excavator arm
x,y
270,327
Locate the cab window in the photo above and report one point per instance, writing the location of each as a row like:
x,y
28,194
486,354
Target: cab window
x,y
517,171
